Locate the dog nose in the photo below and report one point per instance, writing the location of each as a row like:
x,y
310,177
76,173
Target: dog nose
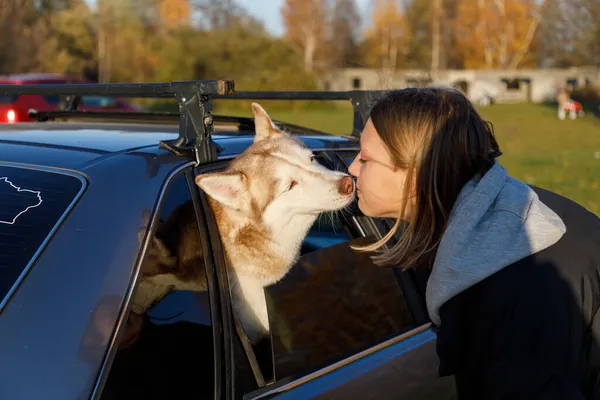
x,y
345,185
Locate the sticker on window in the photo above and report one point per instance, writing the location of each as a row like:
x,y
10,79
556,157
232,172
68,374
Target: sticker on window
x,y
33,203
34,195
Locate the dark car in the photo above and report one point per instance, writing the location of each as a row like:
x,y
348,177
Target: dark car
x,y
81,200
15,108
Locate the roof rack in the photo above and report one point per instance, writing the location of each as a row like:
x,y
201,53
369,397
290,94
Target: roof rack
x,y
195,119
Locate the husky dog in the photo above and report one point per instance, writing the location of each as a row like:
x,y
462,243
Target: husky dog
x,y
264,203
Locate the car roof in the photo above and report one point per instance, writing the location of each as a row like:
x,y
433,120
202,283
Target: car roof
x,y
80,145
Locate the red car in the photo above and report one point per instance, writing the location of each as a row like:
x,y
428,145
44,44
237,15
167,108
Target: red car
x,y
14,108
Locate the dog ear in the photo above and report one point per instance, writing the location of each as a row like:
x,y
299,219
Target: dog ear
x,y
263,125
228,188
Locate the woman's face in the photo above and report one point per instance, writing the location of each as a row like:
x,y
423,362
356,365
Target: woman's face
x,y
379,185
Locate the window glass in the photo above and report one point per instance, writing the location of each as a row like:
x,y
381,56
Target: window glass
x,y
167,351
52,100
97,101
334,302
8,99
32,203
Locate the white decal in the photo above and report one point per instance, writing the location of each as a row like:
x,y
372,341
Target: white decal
x,y
18,189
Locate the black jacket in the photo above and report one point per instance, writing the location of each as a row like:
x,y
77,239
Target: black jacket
x,y
531,330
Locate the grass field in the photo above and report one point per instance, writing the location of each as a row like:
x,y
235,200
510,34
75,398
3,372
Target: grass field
x,y
540,149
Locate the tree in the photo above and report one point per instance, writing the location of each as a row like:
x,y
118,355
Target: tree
x,y
498,33
304,22
174,13
20,35
579,32
388,36
127,46
418,21
69,41
220,13
436,42
345,26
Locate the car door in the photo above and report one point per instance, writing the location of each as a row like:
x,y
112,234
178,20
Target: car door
x,y
341,327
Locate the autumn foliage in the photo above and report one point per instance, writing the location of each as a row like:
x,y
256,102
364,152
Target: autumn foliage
x,y
149,40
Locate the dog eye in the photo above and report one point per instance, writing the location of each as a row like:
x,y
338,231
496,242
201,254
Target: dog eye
x,y
292,184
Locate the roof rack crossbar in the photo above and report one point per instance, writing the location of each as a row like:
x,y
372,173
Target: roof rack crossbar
x,y
131,90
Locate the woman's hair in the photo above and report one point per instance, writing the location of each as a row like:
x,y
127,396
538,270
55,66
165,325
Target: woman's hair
x,y
439,139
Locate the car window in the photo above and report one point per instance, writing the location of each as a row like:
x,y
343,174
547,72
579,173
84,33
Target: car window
x,y
335,301
8,99
168,350
32,204
52,100
97,101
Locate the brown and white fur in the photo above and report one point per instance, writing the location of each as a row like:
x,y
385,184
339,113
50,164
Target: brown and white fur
x,y
264,203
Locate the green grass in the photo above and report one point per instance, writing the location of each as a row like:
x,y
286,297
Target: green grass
x,y
538,148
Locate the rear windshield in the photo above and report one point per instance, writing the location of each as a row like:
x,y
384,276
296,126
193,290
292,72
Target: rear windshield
x,y
32,203
8,99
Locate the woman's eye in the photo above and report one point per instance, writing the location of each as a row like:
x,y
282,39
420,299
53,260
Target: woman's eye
x,y
361,160
312,158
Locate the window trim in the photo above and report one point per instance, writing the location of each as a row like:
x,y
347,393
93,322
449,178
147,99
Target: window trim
x,y
57,225
222,294
216,316
282,386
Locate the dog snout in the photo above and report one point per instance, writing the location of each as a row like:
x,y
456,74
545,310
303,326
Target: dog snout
x,y
345,185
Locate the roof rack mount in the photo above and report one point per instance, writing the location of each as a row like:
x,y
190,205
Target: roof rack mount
x,y
195,118
195,126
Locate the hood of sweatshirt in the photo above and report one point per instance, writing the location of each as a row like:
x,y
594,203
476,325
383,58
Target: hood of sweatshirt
x,y
495,222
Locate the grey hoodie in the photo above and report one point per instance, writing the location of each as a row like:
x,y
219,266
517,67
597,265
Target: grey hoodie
x,y
495,222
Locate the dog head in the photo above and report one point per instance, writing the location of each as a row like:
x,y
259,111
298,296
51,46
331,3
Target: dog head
x,y
277,181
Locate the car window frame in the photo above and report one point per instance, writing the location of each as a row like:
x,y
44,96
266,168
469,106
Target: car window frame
x,y
420,333
215,312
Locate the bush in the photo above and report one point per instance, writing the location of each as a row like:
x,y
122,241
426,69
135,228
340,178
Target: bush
x,y
589,94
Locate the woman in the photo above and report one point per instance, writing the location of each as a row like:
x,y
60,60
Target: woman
x,y
513,284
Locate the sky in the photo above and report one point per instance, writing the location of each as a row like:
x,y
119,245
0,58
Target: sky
x,y
269,11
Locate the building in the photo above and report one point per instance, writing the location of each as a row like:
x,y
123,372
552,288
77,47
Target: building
x,y
502,86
